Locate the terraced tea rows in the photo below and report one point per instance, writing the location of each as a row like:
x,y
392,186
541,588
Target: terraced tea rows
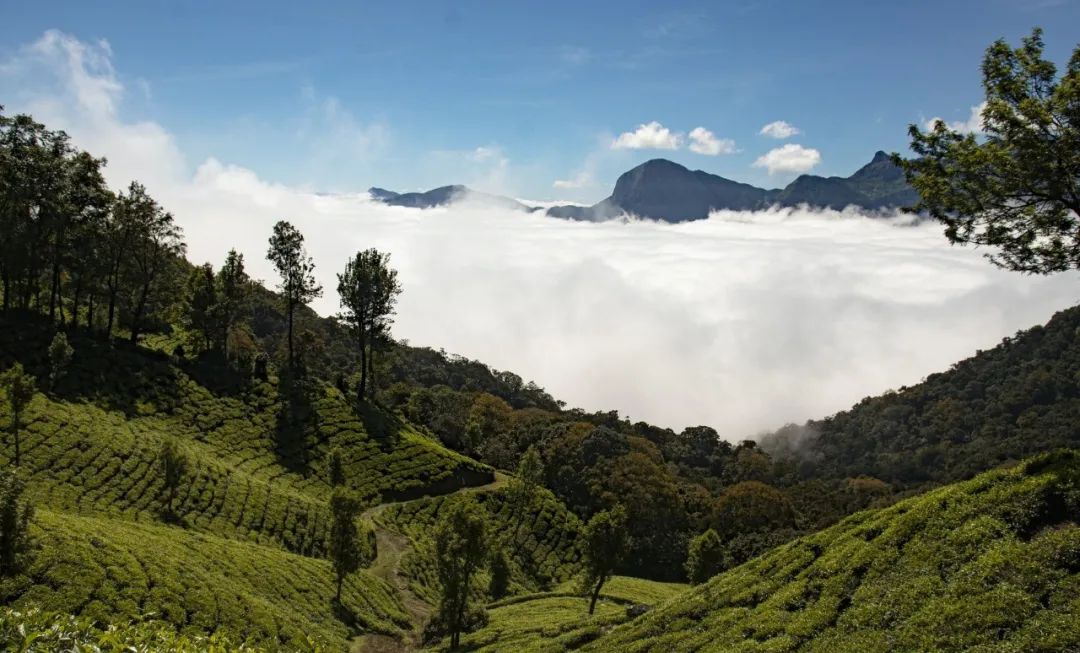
x,y
256,458
992,564
542,538
558,621
111,569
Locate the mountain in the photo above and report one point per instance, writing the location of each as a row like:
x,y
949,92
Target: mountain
x,y
444,196
663,190
991,564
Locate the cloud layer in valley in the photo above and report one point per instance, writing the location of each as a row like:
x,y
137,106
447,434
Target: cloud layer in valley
x,y
743,321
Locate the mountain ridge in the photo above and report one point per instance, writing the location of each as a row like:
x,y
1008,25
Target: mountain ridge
x,y
664,190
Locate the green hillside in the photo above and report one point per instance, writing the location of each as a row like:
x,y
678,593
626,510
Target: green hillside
x,y
113,570
1015,400
541,536
991,564
548,622
242,550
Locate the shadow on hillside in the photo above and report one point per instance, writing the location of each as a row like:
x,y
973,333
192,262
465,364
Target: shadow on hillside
x,y
296,416
113,374
381,425
213,372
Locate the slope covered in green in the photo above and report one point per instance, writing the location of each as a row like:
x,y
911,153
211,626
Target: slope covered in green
x,y
541,537
990,564
1016,400
113,570
242,549
548,622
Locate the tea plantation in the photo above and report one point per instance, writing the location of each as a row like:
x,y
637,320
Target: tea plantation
x,y
240,551
540,535
991,564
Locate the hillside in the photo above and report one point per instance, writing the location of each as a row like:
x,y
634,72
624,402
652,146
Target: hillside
x,y
1020,398
241,551
991,564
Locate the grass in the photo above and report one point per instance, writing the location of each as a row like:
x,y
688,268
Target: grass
x,y
241,551
542,538
111,570
992,564
557,621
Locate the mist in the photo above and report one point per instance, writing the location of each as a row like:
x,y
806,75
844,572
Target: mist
x,y
743,322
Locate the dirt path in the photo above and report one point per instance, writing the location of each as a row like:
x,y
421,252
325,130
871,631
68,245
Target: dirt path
x,y
391,547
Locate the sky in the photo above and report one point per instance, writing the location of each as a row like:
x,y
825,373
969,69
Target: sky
x,y
744,321
528,99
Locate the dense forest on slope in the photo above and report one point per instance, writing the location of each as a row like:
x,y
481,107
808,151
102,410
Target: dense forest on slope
x,y
1012,401
990,564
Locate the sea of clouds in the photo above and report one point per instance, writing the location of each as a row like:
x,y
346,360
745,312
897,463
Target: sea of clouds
x,y
743,321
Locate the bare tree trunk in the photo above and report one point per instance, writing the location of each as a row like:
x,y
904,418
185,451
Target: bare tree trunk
x,y
595,595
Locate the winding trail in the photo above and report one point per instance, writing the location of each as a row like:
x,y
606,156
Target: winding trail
x,y
391,547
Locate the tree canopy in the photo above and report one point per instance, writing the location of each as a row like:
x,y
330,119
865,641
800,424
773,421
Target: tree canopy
x,y
1014,187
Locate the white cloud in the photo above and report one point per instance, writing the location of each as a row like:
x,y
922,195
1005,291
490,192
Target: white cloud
x,y
704,141
581,180
779,129
973,124
789,158
650,136
743,321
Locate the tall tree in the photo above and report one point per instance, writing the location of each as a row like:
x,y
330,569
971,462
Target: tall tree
x,y
296,268
1015,188
605,545
15,515
202,306
461,542
234,289
368,289
346,552
156,245
174,464
60,353
705,557
335,468
88,202
19,388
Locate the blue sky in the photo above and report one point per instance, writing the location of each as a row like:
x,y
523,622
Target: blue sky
x,y
510,98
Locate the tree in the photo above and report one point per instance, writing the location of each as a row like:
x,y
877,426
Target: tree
x,y
298,286
335,468
706,557
173,467
460,541
154,246
60,353
202,309
605,545
499,568
530,474
15,515
368,289
346,553
488,417
1017,189
19,388
752,506
234,296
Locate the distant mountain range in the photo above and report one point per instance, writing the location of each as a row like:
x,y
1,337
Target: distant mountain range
x,y
443,196
663,190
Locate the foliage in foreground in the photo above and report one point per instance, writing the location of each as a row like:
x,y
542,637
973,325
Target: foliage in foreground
x,y
33,631
991,564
